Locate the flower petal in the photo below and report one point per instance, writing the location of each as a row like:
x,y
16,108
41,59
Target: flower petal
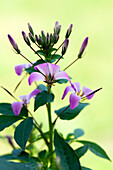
x,y
19,68
33,93
76,86
62,75
43,68
53,69
67,89
86,91
35,77
17,106
74,101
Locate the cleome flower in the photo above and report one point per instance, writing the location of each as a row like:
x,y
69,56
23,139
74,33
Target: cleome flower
x,y
48,73
77,95
19,68
25,99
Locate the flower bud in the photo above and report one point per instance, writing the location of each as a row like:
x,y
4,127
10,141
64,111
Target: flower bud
x,y
31,37
47,40
26,39
69,31
84,44
57,28
64,47
30,29
43,34
13,43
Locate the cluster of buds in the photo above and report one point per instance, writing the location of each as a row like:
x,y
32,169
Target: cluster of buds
x,y
45,43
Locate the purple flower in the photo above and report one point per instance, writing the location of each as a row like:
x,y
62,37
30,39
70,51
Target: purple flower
x,y
19,68
48,73
17,106
84,44
75,97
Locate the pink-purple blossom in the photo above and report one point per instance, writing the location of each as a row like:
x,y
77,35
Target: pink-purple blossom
x,y
77,94
25,99
48,73
19,68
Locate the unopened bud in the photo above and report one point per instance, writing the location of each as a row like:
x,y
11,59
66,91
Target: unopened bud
x,y
84,44
64,47
69,31
43,34
31,37
30,29
10,141
13,43
58,166
26,39
57,28
47,40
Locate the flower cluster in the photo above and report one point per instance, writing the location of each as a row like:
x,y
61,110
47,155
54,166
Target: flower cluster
x,y
48,72
46,69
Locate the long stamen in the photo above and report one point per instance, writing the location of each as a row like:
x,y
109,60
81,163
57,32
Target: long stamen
x,y
91,93
71,64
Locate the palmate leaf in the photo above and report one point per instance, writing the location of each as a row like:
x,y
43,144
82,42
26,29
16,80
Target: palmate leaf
x,y
43,98
69,114
23,131
68,157
96,149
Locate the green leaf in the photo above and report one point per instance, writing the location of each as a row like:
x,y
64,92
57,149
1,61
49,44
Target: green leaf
x,y
31,69
96,149
6,121
43,98
69,114
78,133
81,151
4,165
23,131
42,87
6,109
69,159
84,168
20,155
61,81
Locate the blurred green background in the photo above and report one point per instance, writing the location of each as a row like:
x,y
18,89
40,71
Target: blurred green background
x,y
89,18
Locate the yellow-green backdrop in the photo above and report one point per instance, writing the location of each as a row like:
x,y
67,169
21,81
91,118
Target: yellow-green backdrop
x,y
89,18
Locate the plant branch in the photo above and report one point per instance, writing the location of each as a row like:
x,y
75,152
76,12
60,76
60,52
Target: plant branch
x,y
60,114
57,49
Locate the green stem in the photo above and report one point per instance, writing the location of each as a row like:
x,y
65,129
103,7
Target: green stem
x,y
39,129
50,125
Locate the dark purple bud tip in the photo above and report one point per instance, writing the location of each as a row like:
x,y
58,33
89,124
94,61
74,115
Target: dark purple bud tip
x,y
69,31
26,39
84,44
13,43
65,46
30,29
